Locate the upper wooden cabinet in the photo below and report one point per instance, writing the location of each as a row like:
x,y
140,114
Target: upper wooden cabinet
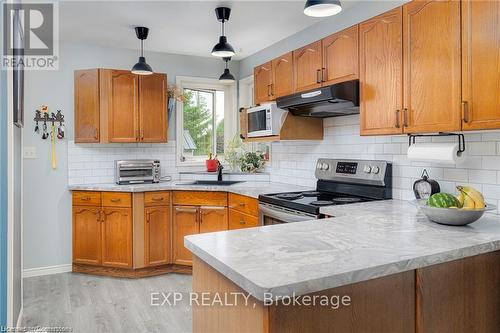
x,y
340,56
263,77
282,68
381,74
118,106
481,64
307,65
431,66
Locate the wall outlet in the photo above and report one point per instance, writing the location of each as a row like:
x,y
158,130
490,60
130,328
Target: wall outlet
x,y
29,152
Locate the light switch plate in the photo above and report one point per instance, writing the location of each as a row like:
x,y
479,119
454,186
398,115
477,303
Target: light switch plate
x,y
29,152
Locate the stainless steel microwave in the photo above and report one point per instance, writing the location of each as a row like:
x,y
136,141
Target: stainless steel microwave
x,y
137,171
265,120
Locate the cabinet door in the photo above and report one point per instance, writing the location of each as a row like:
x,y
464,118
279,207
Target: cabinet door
x,y
117,237
282,83
481,64
262,82
432,66
86,101
239,220
120,99
340,56
157,235
381,74
307,67
213,219
86,235
185,223
153,108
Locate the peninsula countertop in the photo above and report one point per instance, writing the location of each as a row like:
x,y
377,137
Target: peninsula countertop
x,y
248,188
363,241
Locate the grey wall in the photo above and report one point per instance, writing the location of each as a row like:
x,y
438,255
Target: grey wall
x,y
17,224
351,15
47,201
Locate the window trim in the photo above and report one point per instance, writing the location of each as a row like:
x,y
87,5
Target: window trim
x,y
230,114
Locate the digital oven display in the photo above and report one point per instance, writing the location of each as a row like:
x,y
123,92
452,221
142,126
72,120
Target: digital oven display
x,y
347,168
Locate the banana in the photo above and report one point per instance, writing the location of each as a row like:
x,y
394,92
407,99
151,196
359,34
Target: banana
x,y
461,199
473,199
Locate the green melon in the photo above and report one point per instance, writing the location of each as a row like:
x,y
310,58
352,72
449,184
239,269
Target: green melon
x,y
443,200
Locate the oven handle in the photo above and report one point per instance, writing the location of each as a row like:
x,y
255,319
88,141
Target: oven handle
x,y
286,216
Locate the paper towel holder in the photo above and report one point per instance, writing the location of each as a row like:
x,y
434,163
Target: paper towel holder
x,y
460,137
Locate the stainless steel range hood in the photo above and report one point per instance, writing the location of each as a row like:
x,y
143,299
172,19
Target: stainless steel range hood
x,y
339,99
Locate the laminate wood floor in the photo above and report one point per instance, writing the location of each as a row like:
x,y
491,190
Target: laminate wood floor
x,y
89,303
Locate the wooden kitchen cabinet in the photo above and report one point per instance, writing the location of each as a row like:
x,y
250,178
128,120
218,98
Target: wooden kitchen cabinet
x,y
117,237
381,74
340,56
262,83
157,235
480,64
282,70
186,220
213,219
87,235
86,104
239,220
307,64
118,106
243,211
431,66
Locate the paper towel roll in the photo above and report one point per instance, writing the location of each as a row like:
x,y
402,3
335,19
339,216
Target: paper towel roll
x,y
446,153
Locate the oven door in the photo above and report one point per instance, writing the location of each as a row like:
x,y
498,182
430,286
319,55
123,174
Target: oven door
x,y
271,214
259,122
130,174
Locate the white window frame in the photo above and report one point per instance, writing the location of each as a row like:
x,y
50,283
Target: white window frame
x,y
230,111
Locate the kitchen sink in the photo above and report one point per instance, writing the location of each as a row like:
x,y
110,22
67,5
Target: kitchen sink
x,y
215,182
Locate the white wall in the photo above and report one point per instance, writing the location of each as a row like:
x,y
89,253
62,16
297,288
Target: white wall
x,y
47,201
295,161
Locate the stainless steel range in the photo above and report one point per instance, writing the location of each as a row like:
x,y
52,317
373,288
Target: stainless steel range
x,y
340,182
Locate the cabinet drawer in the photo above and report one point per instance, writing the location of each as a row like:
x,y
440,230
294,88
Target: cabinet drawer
x,y
244,204
238,220
200,198
81,198
156,199
116,199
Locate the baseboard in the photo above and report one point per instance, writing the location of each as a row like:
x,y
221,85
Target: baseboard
x,y
39,271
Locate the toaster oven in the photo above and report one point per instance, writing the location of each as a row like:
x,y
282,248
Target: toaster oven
x,y
137,171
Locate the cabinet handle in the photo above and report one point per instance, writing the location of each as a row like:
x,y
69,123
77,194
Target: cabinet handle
x,y
272,89
398,125
465,107
96,133
242,204
115,200
185,210
148,217
269,91
318,76
85,198
242,222
103,216
405,116
157,198
98,215
323,74
142,135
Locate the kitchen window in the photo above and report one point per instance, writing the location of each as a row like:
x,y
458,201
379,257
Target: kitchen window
x,y
206,119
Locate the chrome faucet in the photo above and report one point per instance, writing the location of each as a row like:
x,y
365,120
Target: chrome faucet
x,y
219,171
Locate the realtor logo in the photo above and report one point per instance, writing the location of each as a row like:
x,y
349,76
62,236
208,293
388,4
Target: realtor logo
x,y
30,36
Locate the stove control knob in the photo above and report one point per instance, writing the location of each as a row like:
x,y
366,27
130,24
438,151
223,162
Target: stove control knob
x,y
367,169
375,169
326,166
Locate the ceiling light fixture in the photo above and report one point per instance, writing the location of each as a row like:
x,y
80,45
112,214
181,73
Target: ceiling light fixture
x,y
142,68
322,8
223,49
226,77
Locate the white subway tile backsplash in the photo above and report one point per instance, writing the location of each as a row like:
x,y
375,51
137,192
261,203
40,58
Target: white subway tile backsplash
x,y
458,175
483,176
481,148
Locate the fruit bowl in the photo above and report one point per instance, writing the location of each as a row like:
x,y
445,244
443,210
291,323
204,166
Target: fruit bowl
x,y
451,216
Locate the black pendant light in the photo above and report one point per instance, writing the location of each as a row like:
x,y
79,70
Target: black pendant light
x,y
226,77
142,68
322,8
223,49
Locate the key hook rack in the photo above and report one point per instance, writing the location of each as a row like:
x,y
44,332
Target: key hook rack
x,y
460,137
54,118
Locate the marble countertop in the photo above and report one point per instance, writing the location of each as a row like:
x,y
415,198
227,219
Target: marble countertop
x,y
248,188
363,241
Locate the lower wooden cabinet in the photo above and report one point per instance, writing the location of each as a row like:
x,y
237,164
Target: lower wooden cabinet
x,y
117,237
87,235
213,219
239,220
156,235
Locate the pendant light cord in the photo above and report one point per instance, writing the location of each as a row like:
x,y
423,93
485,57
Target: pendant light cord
x,y
223,30
142,47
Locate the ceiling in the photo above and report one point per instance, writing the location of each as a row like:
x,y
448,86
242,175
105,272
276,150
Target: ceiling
x,y
181,27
